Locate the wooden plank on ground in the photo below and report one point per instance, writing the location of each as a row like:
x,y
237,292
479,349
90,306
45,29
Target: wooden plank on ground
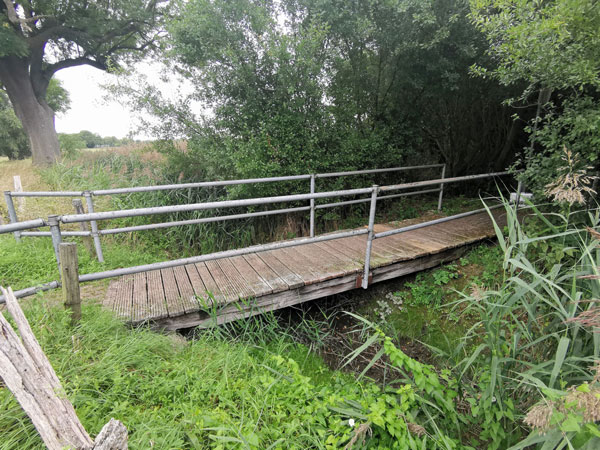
x,y
141,310
213,290
284,272
186,291
172,296
257,283
156,295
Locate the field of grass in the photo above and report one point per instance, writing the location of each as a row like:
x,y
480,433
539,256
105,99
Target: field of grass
x,y
453,357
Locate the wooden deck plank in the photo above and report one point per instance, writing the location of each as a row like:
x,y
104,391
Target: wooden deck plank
x,y
327,265
124,298
141,309
196,281
251,277
174,304
213,292
298,263
237,281
358,246
284,272
186,291
156,295
350,265
228,289
111,294
276,283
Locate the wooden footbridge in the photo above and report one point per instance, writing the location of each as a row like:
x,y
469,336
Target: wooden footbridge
x,y
240,286
224,286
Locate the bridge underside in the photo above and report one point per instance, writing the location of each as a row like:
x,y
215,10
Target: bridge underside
x,y
232,288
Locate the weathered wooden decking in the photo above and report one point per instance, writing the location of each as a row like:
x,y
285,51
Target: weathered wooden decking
x,y
242,286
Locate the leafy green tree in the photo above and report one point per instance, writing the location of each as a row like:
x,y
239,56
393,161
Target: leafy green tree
x,y
39,38
13,141
553,48
70,144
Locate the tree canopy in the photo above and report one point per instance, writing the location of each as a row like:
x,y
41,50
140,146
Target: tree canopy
x,y
39,38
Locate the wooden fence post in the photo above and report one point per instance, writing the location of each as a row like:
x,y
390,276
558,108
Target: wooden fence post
x,y
19,188
87,240
69,275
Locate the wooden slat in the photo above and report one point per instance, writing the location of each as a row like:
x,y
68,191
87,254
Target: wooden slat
x,y
358,246
213,291
266,273
257,283
124,297
197,284
156,295
141,310
111,294
350,265
284,272
229,291
330,247
238,283
327,265
172,297
186,291
399,251
298,263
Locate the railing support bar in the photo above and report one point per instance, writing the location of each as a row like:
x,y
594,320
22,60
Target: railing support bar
x,y
441,188
90,206
371,229
12,213
312,206
519,191
54,225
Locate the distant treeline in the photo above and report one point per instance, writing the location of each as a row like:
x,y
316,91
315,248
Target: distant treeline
x,y
87,139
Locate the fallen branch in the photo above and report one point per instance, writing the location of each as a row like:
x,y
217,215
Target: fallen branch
x,y
26,371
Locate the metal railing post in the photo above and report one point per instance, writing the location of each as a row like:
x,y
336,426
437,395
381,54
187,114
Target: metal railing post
x,y
519,190
312,206
441,188
365,280
54,225
90,206
12,213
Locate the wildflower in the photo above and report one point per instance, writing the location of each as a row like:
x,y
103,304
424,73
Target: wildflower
x,y
573,182
351,423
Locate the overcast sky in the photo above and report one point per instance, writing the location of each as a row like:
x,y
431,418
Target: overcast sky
x,y
90,109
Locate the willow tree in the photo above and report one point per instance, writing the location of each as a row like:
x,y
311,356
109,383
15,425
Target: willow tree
x,y
39,38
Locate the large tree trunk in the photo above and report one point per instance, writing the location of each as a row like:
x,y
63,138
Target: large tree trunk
x,y
34,113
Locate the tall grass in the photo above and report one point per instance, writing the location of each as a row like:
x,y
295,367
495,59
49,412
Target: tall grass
x,y
534,341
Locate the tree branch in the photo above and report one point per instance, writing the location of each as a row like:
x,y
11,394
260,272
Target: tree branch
x,y
65,63
14,18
